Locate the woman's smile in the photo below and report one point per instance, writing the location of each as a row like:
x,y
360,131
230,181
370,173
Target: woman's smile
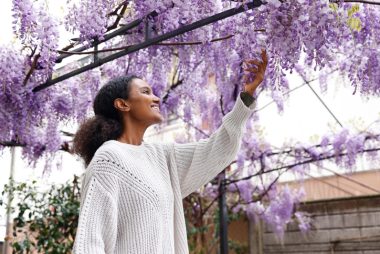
x,y
156,107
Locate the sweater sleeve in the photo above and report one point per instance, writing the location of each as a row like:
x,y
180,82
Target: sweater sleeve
x,y
199,162
97,228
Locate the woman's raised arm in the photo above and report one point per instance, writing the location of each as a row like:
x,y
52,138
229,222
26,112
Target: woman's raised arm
x,y
199,162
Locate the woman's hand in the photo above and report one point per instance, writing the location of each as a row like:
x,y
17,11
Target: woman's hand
x,y
254,69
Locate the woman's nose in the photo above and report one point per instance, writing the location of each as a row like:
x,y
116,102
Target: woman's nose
x,y
156,99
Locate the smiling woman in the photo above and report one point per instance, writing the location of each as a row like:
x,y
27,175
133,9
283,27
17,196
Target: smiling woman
x,y
138,112
123,104
107,123
132,191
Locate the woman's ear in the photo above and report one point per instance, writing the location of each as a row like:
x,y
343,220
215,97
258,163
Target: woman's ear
x,y
121,105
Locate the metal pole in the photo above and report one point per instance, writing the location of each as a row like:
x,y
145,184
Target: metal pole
x,y
8,218
107,37
223,215
148,28
96,54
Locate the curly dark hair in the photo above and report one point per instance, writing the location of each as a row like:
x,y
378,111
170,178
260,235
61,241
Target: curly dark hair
x,y
107,122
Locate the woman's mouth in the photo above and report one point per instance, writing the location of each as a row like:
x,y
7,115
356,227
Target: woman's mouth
x,y
156,107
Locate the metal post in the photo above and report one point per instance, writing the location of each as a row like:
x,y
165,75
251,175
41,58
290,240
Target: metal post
x,y
96,54
8,218
148,28
223,215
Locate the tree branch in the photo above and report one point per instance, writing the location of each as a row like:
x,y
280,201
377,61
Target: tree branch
x,y
297,164
221,105
119,16
174,86
11,143
113,26
158,44
357,1
32,68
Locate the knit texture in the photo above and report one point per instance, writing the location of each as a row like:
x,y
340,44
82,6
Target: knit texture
x,y
132,195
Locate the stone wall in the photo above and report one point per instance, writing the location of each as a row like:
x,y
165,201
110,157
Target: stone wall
x,y
350,225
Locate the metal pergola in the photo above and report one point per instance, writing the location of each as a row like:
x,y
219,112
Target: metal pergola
x,y
150,40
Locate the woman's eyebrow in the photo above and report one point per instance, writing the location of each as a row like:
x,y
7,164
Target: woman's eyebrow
x,y
146,87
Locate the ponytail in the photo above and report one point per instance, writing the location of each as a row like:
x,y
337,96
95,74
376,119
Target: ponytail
x,y
107,122
93,133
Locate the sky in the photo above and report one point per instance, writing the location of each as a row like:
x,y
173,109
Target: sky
x,y
304,118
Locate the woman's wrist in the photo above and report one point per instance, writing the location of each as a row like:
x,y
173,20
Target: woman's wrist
x,y
247,98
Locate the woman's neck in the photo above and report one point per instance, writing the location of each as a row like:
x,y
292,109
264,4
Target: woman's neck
x,y
133,133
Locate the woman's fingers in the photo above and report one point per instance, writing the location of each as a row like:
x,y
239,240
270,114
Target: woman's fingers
x,y
264,56
253,61
253,69
258,68
260,65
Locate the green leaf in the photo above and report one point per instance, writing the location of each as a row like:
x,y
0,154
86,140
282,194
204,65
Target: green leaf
x,y
354,9
53,231
355,24
334,6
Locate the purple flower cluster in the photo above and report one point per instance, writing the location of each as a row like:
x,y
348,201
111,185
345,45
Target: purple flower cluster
x,y
304,221
90,18
278,212
38,31
297,34
24,20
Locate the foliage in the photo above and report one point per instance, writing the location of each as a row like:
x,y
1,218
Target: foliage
x,y
46,220
202,217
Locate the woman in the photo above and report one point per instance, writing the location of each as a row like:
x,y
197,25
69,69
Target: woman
x,y
132,190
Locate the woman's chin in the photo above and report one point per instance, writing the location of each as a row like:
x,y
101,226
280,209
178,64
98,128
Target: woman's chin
x,y
158,119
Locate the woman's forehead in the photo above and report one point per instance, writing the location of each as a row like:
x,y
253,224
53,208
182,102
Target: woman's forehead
x,y
139,83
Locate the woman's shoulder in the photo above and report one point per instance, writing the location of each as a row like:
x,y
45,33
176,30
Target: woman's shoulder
x,y
108,155
108,150
122,154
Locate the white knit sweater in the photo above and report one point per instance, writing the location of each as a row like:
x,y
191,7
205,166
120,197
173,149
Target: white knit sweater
x,y
132,195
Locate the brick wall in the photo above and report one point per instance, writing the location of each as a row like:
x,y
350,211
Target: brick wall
x,y
350,225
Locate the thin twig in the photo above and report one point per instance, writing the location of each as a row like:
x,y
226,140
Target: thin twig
x,y
32,68
297,164
221,105
93,51
69,46
114,12
11,143
157,44
119,16
174,86
350,179
330,184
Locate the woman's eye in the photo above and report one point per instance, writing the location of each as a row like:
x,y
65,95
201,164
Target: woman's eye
x,y
146,91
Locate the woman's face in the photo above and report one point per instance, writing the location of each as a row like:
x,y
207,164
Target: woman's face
x,y
144,105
